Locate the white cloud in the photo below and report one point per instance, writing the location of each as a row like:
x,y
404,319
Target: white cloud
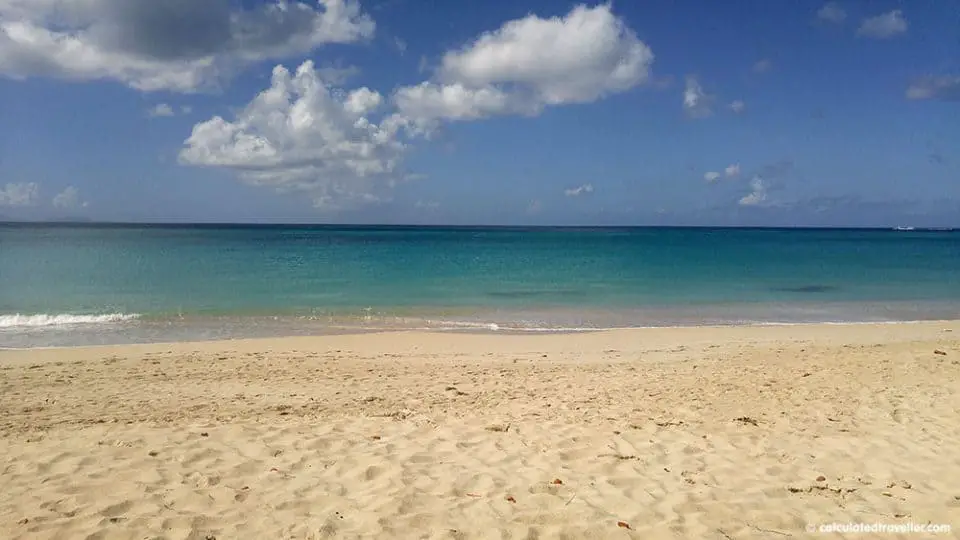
x,y
362,101
534,207
164,110
161,110
530,63
427,205
69,199
19,194
731,171
150,45
767,179
579,190
429,101
757,195
302,135
696,102
762,66
831,12
883,26
738,106
401,45
346,147
945,88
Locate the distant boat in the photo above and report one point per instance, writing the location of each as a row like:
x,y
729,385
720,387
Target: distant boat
x,y
903,228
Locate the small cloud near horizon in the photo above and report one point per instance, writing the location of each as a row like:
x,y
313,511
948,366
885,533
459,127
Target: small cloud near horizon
x,y
757,195
19,194
69,199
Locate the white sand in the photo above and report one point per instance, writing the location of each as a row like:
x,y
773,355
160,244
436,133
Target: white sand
x,y
678,433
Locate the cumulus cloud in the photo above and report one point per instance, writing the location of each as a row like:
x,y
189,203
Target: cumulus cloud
x,y
711,176
883,26
696,102
177,45
579,190
301,134
831,12
757,195
944,88
531,63
346,147
19,194
738,106
428,102
69,199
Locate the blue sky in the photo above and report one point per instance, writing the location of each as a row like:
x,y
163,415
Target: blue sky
x,y
542,112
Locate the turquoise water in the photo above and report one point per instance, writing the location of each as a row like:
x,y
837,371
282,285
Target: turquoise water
x,y
104,284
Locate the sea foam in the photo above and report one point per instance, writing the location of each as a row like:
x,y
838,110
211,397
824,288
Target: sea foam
x,y
63,319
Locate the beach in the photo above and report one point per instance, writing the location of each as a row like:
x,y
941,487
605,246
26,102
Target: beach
x,y
698,432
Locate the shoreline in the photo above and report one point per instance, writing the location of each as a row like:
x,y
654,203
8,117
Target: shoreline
x,y
480,329
810,330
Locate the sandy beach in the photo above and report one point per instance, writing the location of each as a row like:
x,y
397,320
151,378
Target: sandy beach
x,y
738,432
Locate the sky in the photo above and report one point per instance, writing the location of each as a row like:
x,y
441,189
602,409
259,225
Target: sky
x,y
498,112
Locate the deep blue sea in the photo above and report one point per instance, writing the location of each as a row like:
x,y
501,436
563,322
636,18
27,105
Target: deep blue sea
x,y
93,284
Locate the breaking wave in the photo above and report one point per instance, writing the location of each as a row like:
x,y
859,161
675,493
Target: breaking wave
x,y
63,319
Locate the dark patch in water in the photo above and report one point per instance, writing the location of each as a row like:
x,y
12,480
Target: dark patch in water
x,y
811,289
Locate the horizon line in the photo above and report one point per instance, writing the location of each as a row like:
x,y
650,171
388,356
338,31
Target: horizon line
x,y
5,223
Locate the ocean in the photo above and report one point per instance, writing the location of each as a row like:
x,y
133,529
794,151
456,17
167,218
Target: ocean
x,y
63,285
